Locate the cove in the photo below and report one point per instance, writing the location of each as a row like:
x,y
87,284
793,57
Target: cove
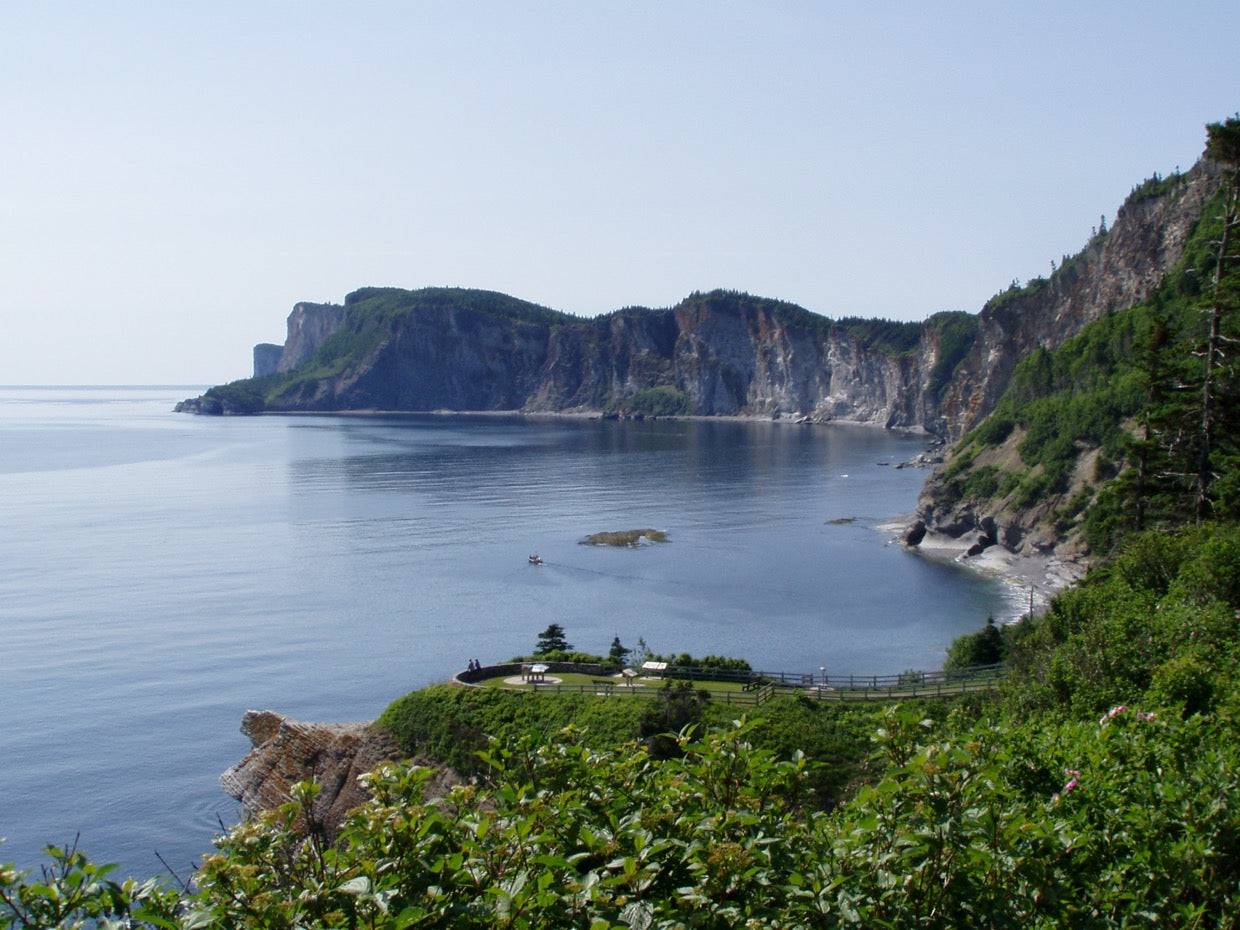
x,y
165,573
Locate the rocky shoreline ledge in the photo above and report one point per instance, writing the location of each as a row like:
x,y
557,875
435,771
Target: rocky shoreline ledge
x,y
1045,574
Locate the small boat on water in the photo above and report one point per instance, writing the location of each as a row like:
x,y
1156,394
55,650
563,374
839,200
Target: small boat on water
x,y
536,560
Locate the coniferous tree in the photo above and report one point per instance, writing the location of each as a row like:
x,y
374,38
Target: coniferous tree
x,y
1222,147
552,640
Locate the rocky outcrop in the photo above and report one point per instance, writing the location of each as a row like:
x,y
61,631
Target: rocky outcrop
x,y
441,357
204,405
1005,529
309,326
288,751
1116,270
267,359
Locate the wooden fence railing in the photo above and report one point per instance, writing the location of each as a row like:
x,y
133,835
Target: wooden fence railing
x,y
759,687
753,697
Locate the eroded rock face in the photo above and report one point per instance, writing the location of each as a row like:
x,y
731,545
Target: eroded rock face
x,y
267,359
308,326
1113,272
289,751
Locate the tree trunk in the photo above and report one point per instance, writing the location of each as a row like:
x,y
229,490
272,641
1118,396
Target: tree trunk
x,y
1205,465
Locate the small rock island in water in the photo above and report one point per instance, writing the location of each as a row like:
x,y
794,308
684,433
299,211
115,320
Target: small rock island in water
x,y
625,538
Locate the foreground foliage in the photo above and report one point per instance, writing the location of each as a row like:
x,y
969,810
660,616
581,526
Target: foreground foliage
x,y
72,891
1160,624
1130,820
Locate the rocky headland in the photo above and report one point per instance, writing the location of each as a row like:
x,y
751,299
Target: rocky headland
x,y
334,755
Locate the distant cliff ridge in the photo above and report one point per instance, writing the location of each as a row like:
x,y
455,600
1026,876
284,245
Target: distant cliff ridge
x,y
718,353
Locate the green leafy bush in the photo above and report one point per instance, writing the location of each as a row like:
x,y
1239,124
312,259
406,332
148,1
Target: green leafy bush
x,y
1126,819
985,647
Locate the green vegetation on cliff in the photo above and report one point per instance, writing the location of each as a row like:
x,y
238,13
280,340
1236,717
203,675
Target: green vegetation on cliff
x,y
891,337
661,401
1148,398
379,307
246,396
956,332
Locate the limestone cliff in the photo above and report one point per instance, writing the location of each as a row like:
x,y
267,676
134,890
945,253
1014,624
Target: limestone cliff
x,y
443,356
720,353
308,327
267,359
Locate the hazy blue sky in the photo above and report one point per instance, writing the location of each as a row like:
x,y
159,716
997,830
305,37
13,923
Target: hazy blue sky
x,y
174,176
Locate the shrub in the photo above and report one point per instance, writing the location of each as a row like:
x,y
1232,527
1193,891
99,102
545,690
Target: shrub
x,y
985,647
660,401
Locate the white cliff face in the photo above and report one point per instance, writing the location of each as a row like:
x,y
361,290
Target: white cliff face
x,y
308,326
738,359
870,387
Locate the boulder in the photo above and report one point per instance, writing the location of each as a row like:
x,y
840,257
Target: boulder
x,y
978,542
915,534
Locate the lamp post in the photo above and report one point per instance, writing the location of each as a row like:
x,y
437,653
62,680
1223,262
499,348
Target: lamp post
x,y
822,670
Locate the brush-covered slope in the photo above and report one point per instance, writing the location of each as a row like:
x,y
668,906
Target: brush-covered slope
x,y
1130,424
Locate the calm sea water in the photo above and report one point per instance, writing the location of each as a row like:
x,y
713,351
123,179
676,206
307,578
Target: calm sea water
x,y
162,573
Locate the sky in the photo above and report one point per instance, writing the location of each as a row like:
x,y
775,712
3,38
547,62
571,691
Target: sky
x,y
175,175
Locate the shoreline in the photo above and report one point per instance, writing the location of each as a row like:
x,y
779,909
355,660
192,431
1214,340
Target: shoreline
x,y
790,419
1038,577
